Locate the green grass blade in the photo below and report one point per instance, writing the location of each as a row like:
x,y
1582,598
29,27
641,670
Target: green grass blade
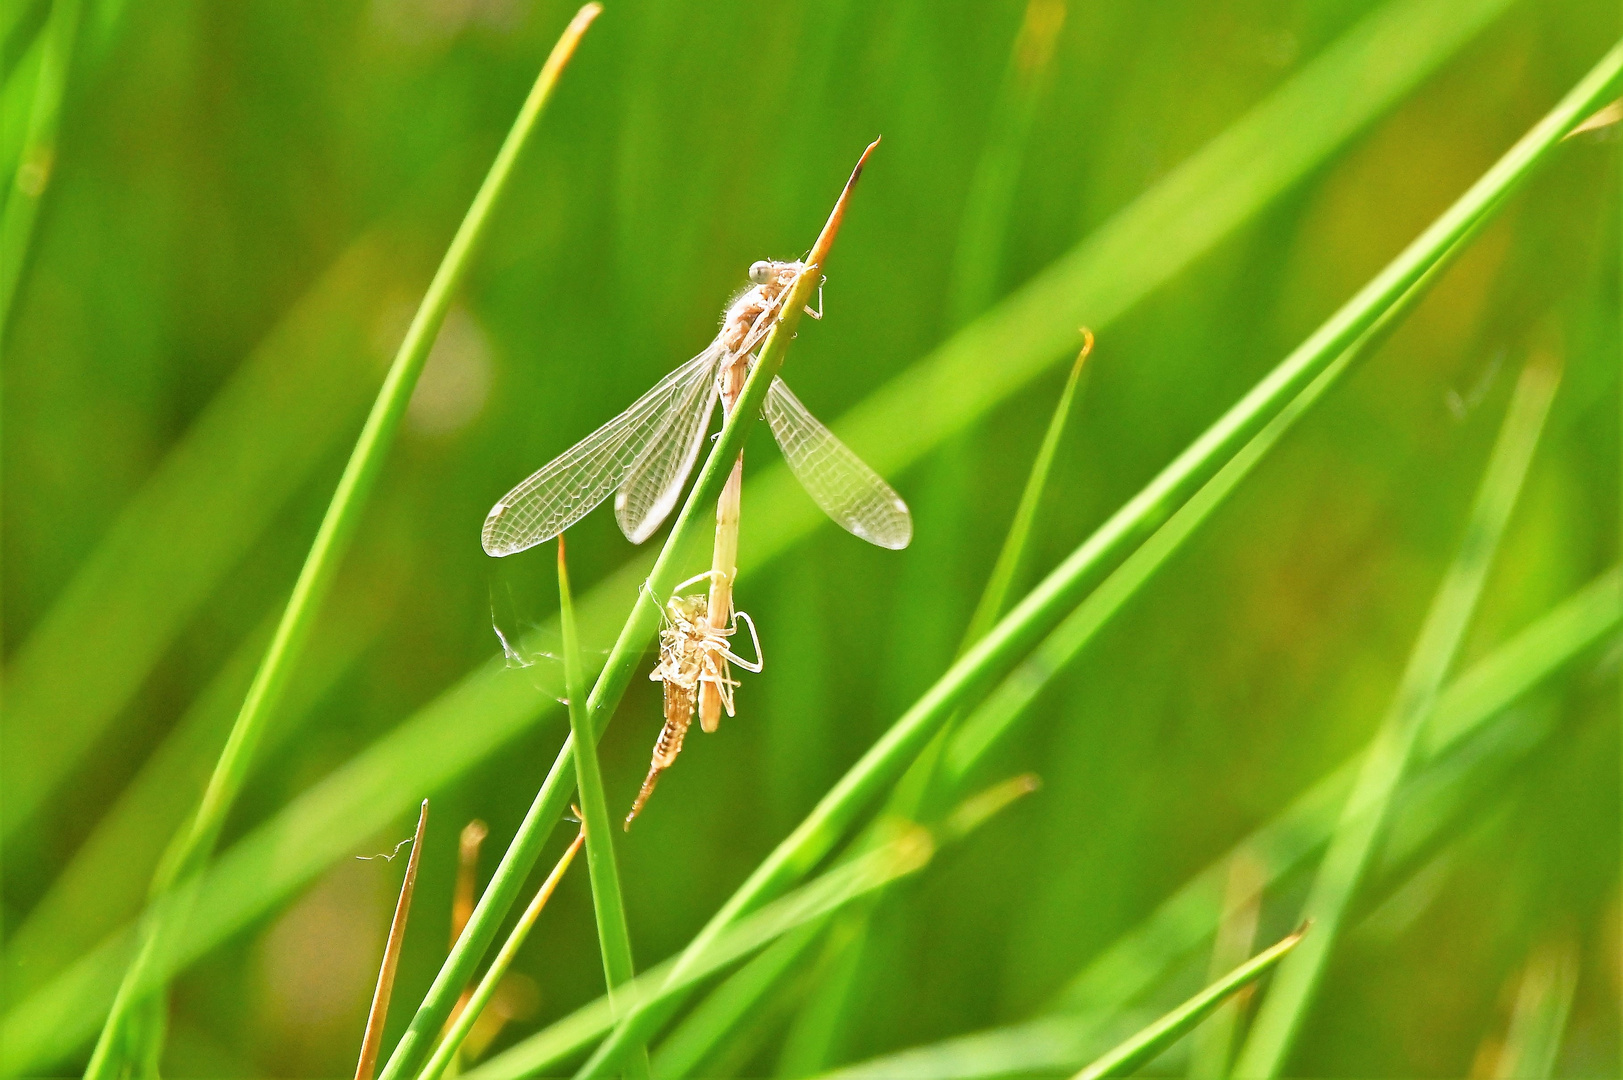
x,y
1367,808
1144,1046
692,1045
990,203
38,155
1099,999
1139,958
904,854
634,637
1013,696
499,965
1157,236
17,101
1009,557
904,848
815,1030
613,934
1043,607
326,552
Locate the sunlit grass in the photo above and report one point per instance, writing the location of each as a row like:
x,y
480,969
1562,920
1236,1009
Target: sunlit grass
x,y
1075,921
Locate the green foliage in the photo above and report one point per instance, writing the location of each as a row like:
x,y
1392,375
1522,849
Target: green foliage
x,y
246,202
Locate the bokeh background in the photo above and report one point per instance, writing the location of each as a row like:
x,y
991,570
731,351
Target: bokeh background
x,y
244,206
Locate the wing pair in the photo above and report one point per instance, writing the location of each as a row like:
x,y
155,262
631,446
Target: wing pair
x,y
645,454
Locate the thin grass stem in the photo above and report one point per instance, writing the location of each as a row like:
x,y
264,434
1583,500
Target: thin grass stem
x,y
613,934
378,1014
332,539
1143,1047
1009,557
451,1044
1368,807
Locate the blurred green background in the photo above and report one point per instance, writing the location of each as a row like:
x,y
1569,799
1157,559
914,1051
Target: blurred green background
x,y
246,202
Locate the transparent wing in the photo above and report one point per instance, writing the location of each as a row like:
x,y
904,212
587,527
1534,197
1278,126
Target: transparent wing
x,y
655,481
574,482
848,491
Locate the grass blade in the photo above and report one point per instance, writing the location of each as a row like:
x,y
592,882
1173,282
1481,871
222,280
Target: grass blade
x,y
996,593
1143,1047
196,842
1213,1044
989,205
481,995
904,854
815,1030
1009,701
378,1014
1291,133
38,157
1367,808
1098,999
613,935
905,849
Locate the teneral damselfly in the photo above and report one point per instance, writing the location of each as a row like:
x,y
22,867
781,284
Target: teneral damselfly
x,y
644,455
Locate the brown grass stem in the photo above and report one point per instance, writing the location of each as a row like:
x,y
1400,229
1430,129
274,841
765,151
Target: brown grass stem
x,y
375,1017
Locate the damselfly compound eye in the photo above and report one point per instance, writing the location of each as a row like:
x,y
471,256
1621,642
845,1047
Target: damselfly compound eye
x,y
761,272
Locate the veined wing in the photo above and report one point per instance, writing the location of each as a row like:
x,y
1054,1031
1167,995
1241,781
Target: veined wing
x,y
848,491
568,487
655,481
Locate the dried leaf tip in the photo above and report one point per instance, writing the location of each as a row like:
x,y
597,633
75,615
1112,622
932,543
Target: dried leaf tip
x,y
372,1041
825,239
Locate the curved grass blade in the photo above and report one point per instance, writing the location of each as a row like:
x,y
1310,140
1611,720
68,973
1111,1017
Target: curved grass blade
x,y
1365,815
196,842
1160,234
1143,1047
613,935
476,1002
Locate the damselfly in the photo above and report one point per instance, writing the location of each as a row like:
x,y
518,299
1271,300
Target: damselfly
x,y
644,455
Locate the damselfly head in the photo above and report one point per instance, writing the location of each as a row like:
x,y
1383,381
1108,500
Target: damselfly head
x,y
771,272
